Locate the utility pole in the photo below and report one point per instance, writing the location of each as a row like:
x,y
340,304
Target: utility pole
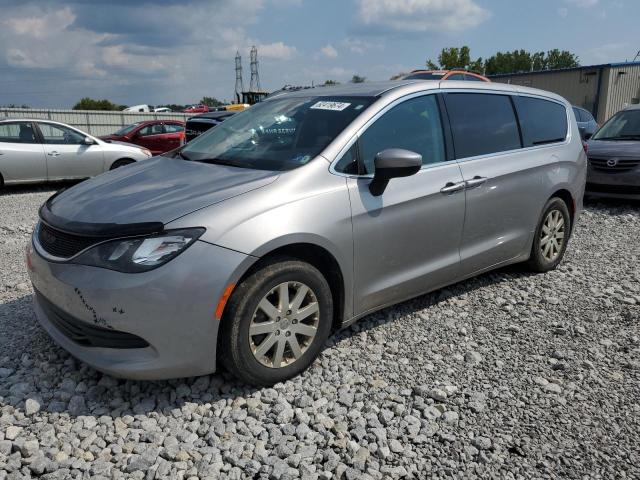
x,y
239,85
255,79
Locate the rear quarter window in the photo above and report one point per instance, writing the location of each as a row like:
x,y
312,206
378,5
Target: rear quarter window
x,y
482,123
542,121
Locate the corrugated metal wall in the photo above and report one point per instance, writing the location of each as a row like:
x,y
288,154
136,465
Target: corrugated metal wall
x,y
579,87
94,122
623,88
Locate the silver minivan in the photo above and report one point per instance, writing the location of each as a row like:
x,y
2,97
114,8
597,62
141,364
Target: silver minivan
x,y
300,215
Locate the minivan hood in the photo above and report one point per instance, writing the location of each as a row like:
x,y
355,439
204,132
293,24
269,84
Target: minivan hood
x,y
612,148
157,190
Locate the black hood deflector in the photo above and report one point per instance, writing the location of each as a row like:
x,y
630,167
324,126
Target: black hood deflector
x,y
98,230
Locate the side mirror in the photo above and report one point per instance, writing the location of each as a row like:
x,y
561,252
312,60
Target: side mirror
x,y
393,163
587,136
88,141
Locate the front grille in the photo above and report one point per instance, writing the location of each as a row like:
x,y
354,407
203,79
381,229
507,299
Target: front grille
x,y
85,334
614,165
615,189
60,244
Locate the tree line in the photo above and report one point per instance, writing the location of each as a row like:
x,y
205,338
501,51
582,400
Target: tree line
x,y
87,103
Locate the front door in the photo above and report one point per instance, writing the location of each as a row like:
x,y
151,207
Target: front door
x,y
406,241
68,157
21,154
151,137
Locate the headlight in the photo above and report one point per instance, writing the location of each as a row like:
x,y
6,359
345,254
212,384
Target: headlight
x,y
133,255
147,152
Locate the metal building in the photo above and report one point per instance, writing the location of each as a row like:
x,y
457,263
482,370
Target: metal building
x,y
601,89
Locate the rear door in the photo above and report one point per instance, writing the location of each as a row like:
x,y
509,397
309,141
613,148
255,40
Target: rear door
x,y
68,157
21,153
503,181
405,240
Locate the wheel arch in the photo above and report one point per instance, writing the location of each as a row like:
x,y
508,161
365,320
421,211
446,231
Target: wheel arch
x,y
566,196
122,159
318,256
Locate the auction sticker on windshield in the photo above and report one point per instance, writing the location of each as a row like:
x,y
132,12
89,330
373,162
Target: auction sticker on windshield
x,y
335,106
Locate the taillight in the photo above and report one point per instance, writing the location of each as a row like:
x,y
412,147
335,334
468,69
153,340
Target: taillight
x,y
585,146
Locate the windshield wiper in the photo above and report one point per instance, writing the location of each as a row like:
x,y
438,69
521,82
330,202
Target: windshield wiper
x,y
218,161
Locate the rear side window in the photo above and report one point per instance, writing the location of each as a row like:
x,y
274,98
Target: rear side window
x,y
473,78
542,121
587,117
18,132
173,128
456,76
482,123
579,115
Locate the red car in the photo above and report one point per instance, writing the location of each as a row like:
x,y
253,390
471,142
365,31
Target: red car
x,y
159,136
196,109
446,75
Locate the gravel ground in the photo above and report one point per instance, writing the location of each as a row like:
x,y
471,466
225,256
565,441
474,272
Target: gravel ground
x,y
507,375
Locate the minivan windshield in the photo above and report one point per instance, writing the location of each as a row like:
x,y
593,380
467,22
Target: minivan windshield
x,y
279,134
623,125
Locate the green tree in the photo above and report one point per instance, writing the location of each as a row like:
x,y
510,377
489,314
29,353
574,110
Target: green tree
x,y
211,102
358,79
523,61
91,104
561,59
454,58
331,82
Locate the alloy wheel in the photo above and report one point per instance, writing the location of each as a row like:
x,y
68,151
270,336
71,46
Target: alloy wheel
x,y
284,324
552,235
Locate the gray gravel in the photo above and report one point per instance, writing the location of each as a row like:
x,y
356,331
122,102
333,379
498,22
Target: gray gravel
x,y
507,375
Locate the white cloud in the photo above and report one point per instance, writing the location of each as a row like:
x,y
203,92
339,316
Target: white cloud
x,y
359,46
277,50
607,52
563,12
421,15
287,3
329,51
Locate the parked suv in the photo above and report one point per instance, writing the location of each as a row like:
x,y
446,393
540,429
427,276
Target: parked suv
x,y
199,124
614,157
159,136
446,75
302,214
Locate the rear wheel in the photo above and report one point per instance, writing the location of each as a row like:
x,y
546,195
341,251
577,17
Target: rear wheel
x,y
121,163
276,322
551,236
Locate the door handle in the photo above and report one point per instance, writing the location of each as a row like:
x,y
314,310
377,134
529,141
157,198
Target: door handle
x,y
451,187
475,182
53,154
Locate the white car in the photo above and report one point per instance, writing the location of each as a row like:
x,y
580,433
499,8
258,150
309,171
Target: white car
x,y
162,110
138,109
42,150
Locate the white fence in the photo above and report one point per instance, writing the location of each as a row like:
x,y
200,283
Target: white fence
x,y
95,122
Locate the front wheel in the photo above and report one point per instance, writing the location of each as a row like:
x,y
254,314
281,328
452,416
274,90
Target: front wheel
x,y
551,236
276,322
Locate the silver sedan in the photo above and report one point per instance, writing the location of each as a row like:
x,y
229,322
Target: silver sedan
x,y
40,150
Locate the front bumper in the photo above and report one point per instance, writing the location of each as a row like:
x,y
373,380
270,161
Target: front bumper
x,y
623,185
171,309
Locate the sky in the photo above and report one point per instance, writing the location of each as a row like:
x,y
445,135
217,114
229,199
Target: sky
x,y
54,52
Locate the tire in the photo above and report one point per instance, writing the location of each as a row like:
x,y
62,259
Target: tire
x,y
121,163
243,314
546,255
